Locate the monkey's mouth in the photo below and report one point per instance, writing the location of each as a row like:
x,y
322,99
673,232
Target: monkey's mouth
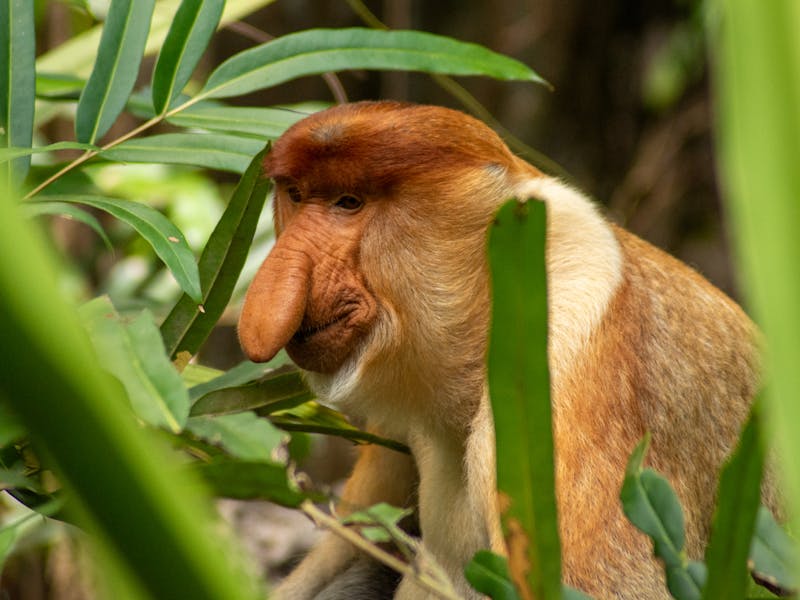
x,y
309,330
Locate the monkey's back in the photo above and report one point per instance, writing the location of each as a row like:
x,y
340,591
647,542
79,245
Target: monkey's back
x,y
676,357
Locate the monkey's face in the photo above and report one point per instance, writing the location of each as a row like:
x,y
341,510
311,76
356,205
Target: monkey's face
x,y
380,214
310,295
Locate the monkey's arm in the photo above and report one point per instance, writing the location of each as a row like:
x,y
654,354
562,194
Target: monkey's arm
x,y
457,501
380,475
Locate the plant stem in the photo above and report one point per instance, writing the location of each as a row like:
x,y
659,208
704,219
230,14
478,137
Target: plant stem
x,y
375,552
89,154
471,104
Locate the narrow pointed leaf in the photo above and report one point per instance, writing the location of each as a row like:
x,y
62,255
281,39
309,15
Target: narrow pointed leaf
x,y
312,417
69,211
280,386
77,55
167,240
186,41
153,515
187,325
135,355
319,51
17,80
519,385
7,154
115,69
266,123
213,151
57,86
739,497
243,373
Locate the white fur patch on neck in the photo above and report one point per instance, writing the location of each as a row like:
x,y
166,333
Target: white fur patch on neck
x,y
584,266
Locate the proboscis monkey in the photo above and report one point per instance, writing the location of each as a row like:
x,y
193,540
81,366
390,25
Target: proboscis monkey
x,y
378,288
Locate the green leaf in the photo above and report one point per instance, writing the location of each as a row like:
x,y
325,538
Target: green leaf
x,y
265,123
116,68
167,240
322,50
77,55
686,582
519,385
55,86
280,389
312,417
10,478
186,327
17,80
250,481
10,533
380,522
11,429
243,435
154,515
68,211
7,154
651,505
210,150
757,92
488,573
773,554
188,36
568,593
134,354
245,372
739,496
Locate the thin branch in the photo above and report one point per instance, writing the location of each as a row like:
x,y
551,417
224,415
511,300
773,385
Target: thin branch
x,y
471,104
421,578
257,35
366,15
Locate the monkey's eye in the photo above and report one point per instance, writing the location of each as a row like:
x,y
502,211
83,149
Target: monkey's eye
x,y
350,203
294,194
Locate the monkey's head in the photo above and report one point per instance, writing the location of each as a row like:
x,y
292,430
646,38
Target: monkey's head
x,y
381,212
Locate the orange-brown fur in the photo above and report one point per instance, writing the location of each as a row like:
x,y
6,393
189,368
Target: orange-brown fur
x,y
638,341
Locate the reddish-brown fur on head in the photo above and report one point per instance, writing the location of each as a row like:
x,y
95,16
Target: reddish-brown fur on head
x,y
377,146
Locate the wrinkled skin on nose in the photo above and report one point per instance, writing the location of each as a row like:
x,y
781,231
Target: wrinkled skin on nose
x,y
308,296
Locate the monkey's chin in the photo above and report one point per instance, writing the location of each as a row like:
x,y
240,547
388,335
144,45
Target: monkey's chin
x,y
324,349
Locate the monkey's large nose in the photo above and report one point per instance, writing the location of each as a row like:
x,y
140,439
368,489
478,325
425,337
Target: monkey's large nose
x,y
275,302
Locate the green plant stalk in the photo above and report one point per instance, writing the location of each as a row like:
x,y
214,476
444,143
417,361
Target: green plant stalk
x,y
757,88
422,579
155,516
738,499
519,385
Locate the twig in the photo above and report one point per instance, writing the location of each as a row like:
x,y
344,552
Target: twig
x,y
469,102
422,579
